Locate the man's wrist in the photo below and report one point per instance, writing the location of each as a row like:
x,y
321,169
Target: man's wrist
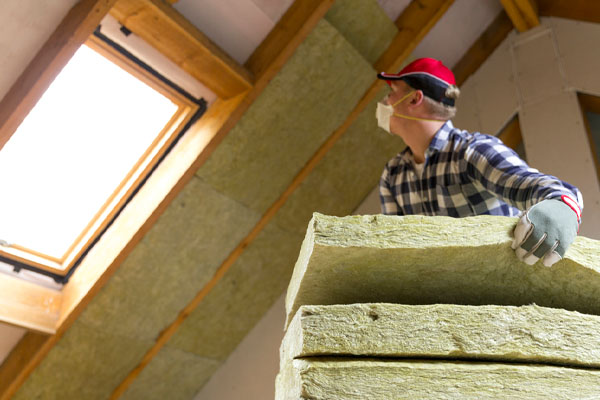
x,y
569,201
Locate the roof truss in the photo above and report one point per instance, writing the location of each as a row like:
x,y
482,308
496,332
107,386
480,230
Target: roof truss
x,y
522,13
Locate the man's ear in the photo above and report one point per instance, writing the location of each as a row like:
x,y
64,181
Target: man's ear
x,y
417,98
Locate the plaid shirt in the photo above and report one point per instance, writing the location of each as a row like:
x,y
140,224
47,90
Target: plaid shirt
x,y
466,174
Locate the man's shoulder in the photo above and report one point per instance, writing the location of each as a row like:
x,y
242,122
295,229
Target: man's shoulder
x,y
470,135
398,161
467,138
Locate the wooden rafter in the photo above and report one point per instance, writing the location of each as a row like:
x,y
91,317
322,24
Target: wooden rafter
x,y
74,29
590,103
581,10
283,39
20,362
165,29
413,24
511,133
523,13
418,18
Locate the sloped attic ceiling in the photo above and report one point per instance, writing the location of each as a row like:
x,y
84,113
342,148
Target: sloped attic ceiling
x,y
224,248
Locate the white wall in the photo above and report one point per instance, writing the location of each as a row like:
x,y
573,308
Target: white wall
x,y
537,74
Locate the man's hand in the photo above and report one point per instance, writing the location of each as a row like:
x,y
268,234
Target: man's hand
x,y
546,230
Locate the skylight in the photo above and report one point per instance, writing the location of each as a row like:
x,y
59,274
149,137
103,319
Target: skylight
x,y
73,151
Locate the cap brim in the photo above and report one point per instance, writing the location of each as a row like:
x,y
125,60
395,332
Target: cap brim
x,y
388,77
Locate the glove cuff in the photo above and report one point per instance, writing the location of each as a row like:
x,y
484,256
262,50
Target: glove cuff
x,y
574,206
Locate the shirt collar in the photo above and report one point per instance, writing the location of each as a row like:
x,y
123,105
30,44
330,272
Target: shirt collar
x,y
441,137
437,143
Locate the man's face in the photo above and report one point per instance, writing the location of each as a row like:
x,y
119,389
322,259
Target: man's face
x,y
398,90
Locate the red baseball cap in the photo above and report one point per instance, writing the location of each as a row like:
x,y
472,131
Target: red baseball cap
x,y
426,74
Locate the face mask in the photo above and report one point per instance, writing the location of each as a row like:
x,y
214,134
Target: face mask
x,y
384,113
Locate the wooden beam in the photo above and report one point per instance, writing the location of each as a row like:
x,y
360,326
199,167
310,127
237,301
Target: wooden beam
x,y
165,29
589,103
511,133
523,13
482,48
582,10
413,24
268,55
73,30
28,305
19,363
417,19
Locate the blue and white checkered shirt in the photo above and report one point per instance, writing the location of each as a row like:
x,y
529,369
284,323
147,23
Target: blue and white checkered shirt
x,y
466,174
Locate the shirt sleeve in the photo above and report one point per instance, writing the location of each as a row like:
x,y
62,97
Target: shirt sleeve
x,y
502,172
386,198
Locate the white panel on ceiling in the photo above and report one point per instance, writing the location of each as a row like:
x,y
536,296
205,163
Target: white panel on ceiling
x,y
496,92
537,65
25,25
457,30
579,49
9,337
467,106
237,26
556,143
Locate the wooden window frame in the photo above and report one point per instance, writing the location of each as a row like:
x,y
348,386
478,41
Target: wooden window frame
x,y
186,109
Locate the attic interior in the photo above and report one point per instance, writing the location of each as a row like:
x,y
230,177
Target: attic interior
x,y
177,289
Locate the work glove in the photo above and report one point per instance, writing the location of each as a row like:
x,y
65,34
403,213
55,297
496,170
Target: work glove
x,y
546,230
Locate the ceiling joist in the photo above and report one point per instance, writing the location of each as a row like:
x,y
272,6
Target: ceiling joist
x,y
581,10
523,13
511,133
19,362
72,32
165,29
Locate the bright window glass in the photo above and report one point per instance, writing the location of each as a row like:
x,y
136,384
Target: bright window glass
x,y
73,150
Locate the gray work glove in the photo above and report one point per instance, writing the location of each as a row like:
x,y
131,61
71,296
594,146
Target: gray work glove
x,y
546,230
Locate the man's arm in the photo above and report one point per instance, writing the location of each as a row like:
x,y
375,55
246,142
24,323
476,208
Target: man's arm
x,y
553,214
503,173
386,198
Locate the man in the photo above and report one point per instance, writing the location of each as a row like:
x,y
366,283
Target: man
x,y
447,171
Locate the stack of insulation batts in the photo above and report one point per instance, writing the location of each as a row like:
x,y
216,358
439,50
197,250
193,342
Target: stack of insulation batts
x,y
383,307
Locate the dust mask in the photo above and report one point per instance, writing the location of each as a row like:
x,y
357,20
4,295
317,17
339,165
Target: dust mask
x,y
384,113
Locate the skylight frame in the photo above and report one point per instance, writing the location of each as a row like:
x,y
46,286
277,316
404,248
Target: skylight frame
x,y
185,112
